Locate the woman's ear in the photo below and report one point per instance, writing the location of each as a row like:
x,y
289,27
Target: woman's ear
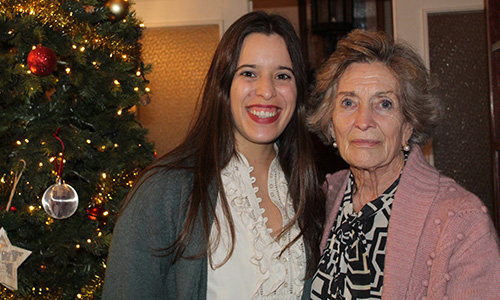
x,y
332,134
331,131
407,132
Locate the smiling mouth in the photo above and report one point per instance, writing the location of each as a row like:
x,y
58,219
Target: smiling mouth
x,y
262,114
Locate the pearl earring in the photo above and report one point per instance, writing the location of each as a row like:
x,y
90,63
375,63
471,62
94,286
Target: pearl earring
x,y
406,148
334,144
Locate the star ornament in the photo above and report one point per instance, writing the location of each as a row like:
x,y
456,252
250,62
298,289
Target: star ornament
x,y
11,258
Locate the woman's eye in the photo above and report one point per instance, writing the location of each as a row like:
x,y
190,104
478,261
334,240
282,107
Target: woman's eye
x,y
284,76
386,103
247,74
347,103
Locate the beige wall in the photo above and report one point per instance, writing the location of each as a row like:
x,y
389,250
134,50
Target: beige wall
x,y
179,41
180,57
190,12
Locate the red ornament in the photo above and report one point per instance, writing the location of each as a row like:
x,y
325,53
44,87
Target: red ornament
x,y
97,213
94,212
42,61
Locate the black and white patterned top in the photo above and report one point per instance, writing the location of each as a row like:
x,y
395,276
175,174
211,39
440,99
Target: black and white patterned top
x,y
352,265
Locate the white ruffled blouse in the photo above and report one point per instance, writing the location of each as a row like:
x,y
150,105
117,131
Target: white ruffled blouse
x,y
255,270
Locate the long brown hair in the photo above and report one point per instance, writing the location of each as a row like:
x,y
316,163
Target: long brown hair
x,y
210,144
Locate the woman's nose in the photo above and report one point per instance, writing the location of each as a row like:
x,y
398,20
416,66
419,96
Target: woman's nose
x,y
266,88
364,118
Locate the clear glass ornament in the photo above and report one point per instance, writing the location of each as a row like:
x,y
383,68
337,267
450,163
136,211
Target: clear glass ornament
x,y
60,200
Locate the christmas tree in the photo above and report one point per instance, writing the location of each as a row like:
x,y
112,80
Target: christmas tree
x,y
70,78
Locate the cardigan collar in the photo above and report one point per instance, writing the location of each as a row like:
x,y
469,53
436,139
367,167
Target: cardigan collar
x,y
416,192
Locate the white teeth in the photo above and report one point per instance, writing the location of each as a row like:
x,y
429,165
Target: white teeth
x,y
263,114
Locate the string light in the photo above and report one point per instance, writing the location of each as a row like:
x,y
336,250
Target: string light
x,y
55,17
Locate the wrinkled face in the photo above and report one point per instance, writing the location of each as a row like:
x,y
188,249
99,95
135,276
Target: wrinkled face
x,y
368,122
263,91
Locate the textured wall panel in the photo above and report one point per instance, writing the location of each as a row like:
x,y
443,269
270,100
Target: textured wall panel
x,y
180,58
458,57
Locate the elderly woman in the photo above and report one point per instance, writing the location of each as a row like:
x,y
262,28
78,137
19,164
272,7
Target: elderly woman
x,y
396,228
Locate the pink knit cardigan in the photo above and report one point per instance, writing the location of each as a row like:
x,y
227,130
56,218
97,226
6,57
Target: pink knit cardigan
x,y
441,243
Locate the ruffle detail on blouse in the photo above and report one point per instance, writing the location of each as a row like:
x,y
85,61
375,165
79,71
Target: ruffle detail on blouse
x,y
237,179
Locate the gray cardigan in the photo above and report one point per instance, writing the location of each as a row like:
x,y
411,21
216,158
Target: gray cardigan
x,y
153,219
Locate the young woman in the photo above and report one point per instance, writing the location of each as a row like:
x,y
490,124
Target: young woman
x,y
234,212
